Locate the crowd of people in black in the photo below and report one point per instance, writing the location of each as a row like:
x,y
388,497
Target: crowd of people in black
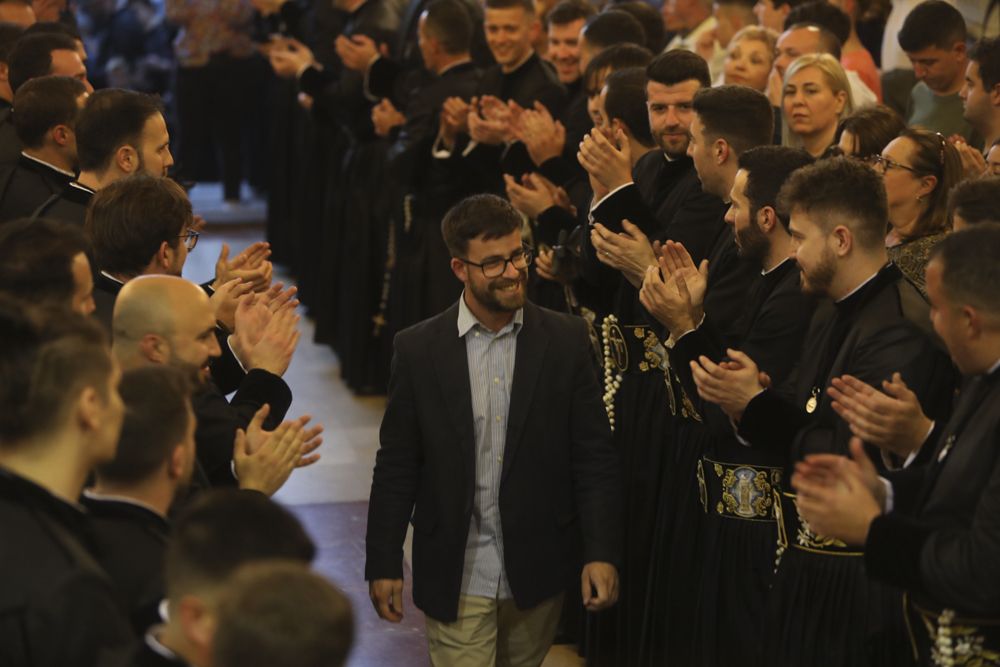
x,y
785,256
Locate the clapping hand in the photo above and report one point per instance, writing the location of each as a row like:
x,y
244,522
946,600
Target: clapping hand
x,y
265,459
385,116
289,57
358,51
608,165
839,496
226,299
454,118
673,292
891,419
731,384
629,251
266,338
251,266
542,136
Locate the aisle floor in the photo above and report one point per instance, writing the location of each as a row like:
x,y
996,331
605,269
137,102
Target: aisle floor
x,y
331,497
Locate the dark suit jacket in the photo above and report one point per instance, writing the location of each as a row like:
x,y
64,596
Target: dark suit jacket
x,y
941,542
57,606
883,328
560,473
26,185
133,542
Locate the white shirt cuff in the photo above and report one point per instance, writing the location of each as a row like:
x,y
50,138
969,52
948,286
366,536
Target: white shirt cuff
x,y
889,496
696,327
229,342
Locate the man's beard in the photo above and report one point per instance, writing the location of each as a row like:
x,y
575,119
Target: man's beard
x,y
817,281
198,375
494,299
672,147
751,242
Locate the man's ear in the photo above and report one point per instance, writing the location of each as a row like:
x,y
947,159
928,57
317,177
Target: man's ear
x,y
843,240
460,270
61,135
154,348
722,151
197,622
767,218
88,409
127,159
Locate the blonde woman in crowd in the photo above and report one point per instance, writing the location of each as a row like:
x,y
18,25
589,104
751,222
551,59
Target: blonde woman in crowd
x,y
815,98
749,58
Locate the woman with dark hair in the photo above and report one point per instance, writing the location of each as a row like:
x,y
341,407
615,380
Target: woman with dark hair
x,y
918,168
865,133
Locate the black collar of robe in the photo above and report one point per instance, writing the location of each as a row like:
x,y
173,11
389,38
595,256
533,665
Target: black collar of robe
x,y
122,510
21,491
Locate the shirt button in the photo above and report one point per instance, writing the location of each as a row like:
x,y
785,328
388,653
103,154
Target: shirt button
x,y
476,334
499,459
498,417
496,380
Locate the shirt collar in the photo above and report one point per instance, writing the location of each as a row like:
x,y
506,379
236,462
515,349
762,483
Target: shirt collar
x,y
94,495
858,288
111,277
466,320
49,165
776,266
82,187
157,646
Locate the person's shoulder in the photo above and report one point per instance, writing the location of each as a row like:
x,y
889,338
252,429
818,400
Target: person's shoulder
x,y
431,328
555,321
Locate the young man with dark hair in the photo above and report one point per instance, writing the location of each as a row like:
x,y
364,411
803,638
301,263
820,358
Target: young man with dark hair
x,y
981,92
61,417
933,37
877,324
44,263
45,124
282,613
564,24
974,201
609,28
624,98
493,551
210,541
421,277
735,558
118,133
474,135
928,529
133,492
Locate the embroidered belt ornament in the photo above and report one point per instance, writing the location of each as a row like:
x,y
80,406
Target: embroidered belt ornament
x,y
746,491
955,643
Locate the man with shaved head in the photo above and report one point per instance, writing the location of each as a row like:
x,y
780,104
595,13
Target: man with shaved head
x,y
169,320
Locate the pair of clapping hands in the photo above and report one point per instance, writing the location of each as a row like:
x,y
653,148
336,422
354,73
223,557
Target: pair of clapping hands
x,y
263,460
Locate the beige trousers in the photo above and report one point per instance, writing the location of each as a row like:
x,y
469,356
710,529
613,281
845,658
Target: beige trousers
x,y
492,633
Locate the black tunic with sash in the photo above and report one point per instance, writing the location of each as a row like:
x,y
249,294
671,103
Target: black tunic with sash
x,y
823,609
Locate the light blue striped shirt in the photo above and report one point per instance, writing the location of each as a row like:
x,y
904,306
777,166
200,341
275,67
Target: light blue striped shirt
x,y
491,370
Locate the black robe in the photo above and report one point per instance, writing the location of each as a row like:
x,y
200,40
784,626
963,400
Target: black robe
x,y
26,185
482,166
133,542
649,398
10,143
736,547
823,610
57,606
70,205
422,283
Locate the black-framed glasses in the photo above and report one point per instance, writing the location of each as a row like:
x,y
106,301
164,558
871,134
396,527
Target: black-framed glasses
x,y
190,238
494,268
884,164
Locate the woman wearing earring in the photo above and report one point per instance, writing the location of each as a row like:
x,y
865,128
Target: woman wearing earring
x,y
815,98
918,168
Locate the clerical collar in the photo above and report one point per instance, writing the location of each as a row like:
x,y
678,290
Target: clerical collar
x,y
104,497
859,287
49,165
158,648
111,277
531,56
994,367
82,187
454,65
778,266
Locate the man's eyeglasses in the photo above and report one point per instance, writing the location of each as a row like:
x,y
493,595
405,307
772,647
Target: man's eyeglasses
x,y
494,268
883,164
190,238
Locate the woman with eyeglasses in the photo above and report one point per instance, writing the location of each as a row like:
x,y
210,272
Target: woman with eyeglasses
x,y
866,132
815,98
749,57
918,168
